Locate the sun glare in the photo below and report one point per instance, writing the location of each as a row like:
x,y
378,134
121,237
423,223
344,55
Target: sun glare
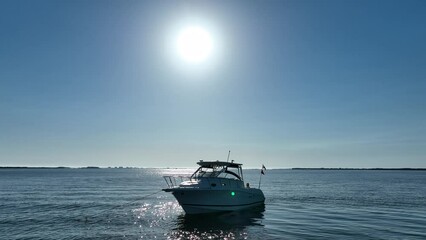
x,y
194,44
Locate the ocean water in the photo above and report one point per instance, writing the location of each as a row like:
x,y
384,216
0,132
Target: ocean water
x,y
128,204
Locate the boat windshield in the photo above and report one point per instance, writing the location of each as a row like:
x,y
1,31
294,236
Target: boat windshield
x,y
217,172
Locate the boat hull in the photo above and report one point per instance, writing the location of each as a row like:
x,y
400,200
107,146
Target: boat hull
x,y
195,201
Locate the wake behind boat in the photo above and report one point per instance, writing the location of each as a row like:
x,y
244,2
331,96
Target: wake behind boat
x,y
215,186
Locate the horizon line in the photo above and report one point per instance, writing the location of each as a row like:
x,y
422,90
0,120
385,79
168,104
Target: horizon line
x,y
250,168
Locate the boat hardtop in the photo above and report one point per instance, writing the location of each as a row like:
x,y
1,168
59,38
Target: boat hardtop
x,y
217,163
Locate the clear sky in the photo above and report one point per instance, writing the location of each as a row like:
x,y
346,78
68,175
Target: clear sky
x,y
304,83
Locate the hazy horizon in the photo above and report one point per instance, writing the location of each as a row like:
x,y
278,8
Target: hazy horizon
x,y
195,167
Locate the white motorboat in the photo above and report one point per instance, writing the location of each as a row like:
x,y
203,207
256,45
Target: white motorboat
x,y
215,186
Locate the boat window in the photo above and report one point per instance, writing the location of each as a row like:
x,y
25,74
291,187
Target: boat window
x,y
232,175
204,172
215,171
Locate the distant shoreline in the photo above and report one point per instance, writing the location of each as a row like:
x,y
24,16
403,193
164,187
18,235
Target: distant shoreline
x,y
56,167
47,167
94,167
386,169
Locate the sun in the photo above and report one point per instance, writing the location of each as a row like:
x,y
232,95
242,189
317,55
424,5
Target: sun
x,y
194,44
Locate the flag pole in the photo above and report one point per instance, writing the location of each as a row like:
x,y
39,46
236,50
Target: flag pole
x,y
262,172
260,178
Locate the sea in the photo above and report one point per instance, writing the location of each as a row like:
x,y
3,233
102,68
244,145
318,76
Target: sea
x,y
121,203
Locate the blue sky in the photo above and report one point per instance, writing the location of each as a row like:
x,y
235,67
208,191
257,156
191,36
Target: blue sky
x,y
291,84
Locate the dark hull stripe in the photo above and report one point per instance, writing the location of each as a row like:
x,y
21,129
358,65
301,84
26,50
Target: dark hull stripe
x,y
202,205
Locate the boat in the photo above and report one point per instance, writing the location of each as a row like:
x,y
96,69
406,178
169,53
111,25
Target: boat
x,y
216,186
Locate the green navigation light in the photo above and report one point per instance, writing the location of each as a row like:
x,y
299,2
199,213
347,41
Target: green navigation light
x,y
232,193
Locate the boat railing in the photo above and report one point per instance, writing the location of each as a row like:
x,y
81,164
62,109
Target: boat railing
x,y
174,181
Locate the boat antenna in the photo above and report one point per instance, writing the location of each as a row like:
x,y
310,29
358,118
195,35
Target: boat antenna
x,y
229,153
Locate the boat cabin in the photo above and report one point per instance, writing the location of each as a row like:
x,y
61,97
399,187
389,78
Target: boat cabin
x,y
218,169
